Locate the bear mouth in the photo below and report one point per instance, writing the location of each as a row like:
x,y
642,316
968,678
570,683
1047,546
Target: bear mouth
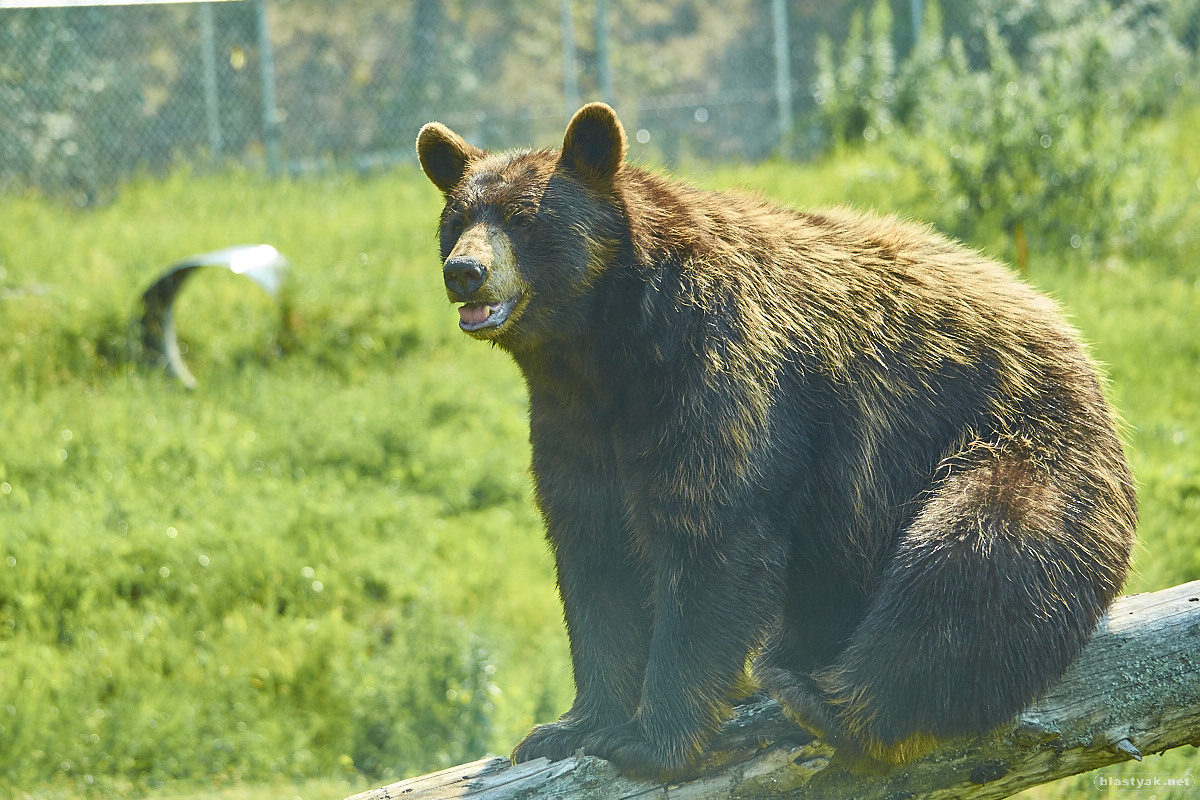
x,y
480,316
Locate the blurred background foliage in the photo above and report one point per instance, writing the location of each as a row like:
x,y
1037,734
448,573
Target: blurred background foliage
x,y
1035,114
322,569
89,95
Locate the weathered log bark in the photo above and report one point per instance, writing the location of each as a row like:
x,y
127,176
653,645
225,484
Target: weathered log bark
x,y
1134,690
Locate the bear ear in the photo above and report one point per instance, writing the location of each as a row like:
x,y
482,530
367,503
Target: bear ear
x,y
444,155
594,146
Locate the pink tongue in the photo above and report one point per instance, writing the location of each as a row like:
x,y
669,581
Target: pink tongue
x,y
474,313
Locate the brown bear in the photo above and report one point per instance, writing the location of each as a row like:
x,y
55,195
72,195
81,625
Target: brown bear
x,y
866,461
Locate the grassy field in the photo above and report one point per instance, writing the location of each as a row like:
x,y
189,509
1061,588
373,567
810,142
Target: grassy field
x,y
321,570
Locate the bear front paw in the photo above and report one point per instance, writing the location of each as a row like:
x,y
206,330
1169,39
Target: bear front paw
x,y
554,740
628,748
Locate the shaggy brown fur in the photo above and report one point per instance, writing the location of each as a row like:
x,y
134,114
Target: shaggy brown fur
x,y
844,446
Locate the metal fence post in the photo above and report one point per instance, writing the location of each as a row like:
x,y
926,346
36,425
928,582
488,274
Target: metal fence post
x,y
209,56
270,115
783,75
570,77
603,55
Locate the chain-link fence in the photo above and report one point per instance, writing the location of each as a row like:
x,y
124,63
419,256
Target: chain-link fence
x,y
91,95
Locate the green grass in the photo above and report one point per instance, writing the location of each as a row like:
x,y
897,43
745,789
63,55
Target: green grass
x,y
322,560
322,570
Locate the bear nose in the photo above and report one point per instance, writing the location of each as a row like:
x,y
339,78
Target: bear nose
x,y
464,276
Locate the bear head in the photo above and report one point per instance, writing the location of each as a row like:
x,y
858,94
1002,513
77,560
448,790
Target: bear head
x,y
524,234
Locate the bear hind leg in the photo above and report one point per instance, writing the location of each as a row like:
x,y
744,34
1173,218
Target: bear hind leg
x,y
996,584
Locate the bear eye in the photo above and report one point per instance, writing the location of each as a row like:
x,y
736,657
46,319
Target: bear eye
x,y
520,216
454,224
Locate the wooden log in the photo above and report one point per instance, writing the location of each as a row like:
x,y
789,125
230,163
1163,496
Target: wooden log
x,y
1135,690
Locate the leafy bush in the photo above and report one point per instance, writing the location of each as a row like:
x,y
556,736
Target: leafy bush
x,y
1047,142
857,97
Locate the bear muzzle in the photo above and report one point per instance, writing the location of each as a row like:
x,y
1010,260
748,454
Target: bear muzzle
x,y
464,277
478,316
